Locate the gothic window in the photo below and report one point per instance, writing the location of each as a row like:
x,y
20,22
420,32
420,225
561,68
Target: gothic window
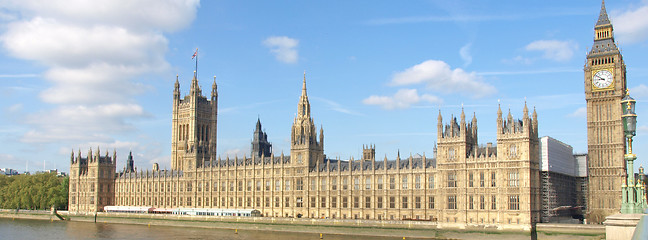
x,y
368,183
512,151
356,183
493,202
470,180
431,202
404,202
470,202
493,179
451,154
481,179
513,179
404,182
300,184
379,202
514,202
431,182
452,179
380,182
452,202
323,184
417,182
482,202
334,183
367,202
300,202
392,182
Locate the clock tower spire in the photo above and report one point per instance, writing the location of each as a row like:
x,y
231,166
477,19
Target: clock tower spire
x,y
605,85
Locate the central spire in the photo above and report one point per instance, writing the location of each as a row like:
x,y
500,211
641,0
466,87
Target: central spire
x,y
304,85
304,105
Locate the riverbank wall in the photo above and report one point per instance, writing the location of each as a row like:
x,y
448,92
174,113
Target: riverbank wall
x,y
399,229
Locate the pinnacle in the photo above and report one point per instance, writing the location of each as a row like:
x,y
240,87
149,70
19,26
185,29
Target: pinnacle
x,y
603,17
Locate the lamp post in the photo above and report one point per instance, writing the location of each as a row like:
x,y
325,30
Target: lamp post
x,y
632,201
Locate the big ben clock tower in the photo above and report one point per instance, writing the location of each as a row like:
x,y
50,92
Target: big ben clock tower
x,y
605,86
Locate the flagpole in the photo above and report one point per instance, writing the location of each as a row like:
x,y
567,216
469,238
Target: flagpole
x,y
196,63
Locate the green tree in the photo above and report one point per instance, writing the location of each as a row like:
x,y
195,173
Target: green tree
x,y
38,191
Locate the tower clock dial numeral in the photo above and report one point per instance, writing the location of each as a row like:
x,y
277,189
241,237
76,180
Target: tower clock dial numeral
x,y
602,79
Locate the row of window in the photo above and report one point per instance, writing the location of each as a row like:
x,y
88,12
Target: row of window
x,y
513,181
322,202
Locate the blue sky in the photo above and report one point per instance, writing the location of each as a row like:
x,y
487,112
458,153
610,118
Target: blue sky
x,y
78,75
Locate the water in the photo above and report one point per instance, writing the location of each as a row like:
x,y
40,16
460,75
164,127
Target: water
x,y
46,230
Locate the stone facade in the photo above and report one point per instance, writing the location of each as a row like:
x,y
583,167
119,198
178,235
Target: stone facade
x,y
465,183
605,139
92,181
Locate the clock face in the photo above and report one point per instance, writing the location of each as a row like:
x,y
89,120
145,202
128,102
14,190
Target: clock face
x,y
602,79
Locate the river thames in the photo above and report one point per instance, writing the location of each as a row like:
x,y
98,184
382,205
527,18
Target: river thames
x,y
46,230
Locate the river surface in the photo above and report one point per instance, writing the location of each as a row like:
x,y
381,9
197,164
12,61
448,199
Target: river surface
x,y
46,230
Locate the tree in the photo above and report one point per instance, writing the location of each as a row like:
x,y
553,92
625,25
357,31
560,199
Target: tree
x,y
39,191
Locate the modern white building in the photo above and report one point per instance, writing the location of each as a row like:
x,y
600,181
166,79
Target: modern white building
x,y
564,180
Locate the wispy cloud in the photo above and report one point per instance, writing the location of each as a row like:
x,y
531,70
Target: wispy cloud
x,y
402,99
284,48
640,91
631,24
19,75
471,18
557,70
579,113
439,76
554,49
247,106
336,106
464,53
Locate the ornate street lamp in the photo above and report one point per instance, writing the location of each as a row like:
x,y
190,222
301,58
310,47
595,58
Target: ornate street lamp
x,y
632,201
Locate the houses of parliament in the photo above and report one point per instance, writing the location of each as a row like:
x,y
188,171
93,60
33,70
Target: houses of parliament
x,y
462,183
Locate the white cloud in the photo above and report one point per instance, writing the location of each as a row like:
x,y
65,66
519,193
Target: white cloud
x,y
518,59
554,49
235,152
15,108
639,91
284,48
579,113
404,98
336,106
94,51
82,123
464,53
631,25
440,77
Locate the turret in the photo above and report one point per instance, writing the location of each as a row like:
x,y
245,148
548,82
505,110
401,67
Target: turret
x,y
439,125
176,90
214,93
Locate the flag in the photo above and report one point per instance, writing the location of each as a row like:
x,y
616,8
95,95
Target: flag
x,y
195,54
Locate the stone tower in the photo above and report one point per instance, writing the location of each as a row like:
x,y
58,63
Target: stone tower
x,y
260,144
305,150
194,127
92,181
518,148
605,85
369,152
